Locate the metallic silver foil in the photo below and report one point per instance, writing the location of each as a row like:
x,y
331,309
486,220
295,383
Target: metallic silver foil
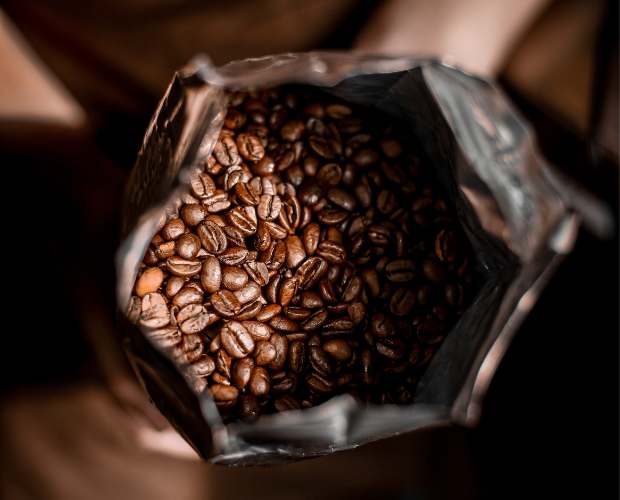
x,y
519,215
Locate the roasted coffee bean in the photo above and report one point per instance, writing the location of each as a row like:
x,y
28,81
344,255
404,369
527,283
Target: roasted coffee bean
x,y
258,330
212,237
381,325
236,340
241,372
266,166
392,348
248,407
315,321
223,362
311,300
433,271
234,277
187,295
203,366
296,356
260,382
154,313
287,291
225,393
341,198
269,207
283,324
338,349
280,342
297,313
187,246
286,403
250,147
233,256
225,303
249,293
225,151
353,289
331,216
183,267
400,271
327,292
149,281
402,301
268,312
257,271
357,312
202,186
173,229
249,310
295,251
331,252
319,384
165,337
244,219
211,275
265,353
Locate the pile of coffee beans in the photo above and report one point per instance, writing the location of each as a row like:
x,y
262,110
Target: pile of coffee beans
x,y
313,256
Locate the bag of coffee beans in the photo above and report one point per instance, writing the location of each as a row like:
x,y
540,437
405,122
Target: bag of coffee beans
x,y
325,249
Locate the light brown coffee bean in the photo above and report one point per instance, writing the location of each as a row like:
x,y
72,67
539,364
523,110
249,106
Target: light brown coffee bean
x,y
155,313
234,256
187,295
165,337
187,246
225,151
257,271
269,207
268,312
211,275
264,353
212,237
244,219
225,393
202,186
149,281
258,330
225,303
249,293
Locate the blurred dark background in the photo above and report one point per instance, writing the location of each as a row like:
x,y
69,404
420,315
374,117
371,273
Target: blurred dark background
x,y
79,83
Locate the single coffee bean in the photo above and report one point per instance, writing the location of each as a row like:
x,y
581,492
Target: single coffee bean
x,y
311,300
241,372
249,293
250,147
365,157
244,219
258,330
281,344
310,272
224,393
297,313
234,277
400,271
211,275
203,366
331,252
283,324
357,312
265,353
223,362
187,246
236,340
402,301
225,303
249,310
260,382
433,271
187,295
154,313
288,289
165,337
202,186
212,237
257,271
341,198
218,378
183,267
225,151
296,356
338,349
268,312
193,214
319,384
233,256
173,229
315,321
269,207
381,325
149,281
234,236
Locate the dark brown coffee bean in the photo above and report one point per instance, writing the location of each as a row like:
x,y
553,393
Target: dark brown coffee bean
x,y
257,271
250,147
357,312
339,324
193,214
402,302
150,259
187,246
311,236
246,194
263,237
341,198
353,289
379,234
236,340
392,348
332,252
287,291
203,366
266,166
446,246
225,303
281,344
212,237
430,331
244,219
249,293
296,356
258,330
225,393
319,384
283,324
321,147
332,216
365,157
400,271
311,300
315,321
381,325
292,130
286,403
363,192
371,279
260,382
241,372
269,207
149,281
265,353
295,251
269,311
218,378
283,382
248,408
327,292
297,313
183,267
211,275
433,271
173,229
338,349
454,295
